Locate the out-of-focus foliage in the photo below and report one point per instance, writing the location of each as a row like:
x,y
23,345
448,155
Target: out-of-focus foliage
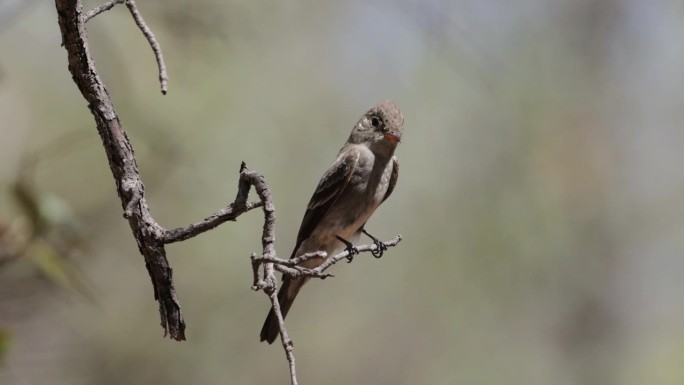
x,y
540,193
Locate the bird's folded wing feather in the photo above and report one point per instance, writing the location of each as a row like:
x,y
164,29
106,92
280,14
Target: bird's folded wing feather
x,y
393,178
332,184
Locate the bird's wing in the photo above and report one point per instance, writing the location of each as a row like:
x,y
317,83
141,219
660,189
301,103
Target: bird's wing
x,y
332,184
393,178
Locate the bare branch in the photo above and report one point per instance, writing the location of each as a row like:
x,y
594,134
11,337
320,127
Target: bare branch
x,y
294,261
149,235
361,249
149,35
289,267
156,48
269,282
102,8
288,346
225,214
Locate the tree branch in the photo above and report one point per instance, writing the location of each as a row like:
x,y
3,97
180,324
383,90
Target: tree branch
x,y
269,282
225,214
102,8
156,48
150,236
146,31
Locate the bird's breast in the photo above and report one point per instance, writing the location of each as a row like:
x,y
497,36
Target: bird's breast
x,y
364,193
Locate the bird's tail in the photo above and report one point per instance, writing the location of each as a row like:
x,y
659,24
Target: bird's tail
x,y
286,295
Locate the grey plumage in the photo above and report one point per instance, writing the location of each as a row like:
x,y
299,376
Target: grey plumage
x,y
361,178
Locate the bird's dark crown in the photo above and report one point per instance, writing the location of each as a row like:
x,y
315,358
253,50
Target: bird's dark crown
x,y
390,115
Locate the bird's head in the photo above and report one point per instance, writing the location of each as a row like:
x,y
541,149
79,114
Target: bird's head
x,y
380,128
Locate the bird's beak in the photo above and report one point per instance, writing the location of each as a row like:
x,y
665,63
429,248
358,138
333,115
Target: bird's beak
x,y
392,137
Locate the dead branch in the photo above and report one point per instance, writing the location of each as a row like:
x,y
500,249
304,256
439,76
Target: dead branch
x,y
102,8
269,282
156,48
150,236
146,31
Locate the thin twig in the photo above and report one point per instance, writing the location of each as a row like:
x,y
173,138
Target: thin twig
x,y
269,282
288,346
102,8
361,249
225,214
291,268
149,35
294,261
156,48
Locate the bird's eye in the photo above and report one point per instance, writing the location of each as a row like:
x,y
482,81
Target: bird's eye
x,y
376,122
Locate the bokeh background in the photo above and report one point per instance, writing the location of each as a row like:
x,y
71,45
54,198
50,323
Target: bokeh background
x,y
541,193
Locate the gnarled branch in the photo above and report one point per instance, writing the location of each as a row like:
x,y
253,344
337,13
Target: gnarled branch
x,y
149,235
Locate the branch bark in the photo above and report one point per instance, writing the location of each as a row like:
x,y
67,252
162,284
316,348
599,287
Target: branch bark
x,y
149,235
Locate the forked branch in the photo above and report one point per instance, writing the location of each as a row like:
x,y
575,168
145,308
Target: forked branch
x,y
150,236
146,31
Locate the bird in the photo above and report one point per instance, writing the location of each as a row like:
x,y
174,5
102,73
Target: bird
x,y
362,177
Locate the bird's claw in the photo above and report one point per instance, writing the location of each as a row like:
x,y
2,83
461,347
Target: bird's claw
x,y
352,252
380,248
349,248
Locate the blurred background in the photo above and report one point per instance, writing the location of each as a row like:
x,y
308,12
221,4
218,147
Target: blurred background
x,y
541,194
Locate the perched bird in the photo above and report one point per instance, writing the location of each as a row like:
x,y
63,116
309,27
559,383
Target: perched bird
x,y
361,178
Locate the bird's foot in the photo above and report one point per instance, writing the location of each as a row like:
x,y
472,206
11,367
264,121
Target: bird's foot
x,y
349,248
380,246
